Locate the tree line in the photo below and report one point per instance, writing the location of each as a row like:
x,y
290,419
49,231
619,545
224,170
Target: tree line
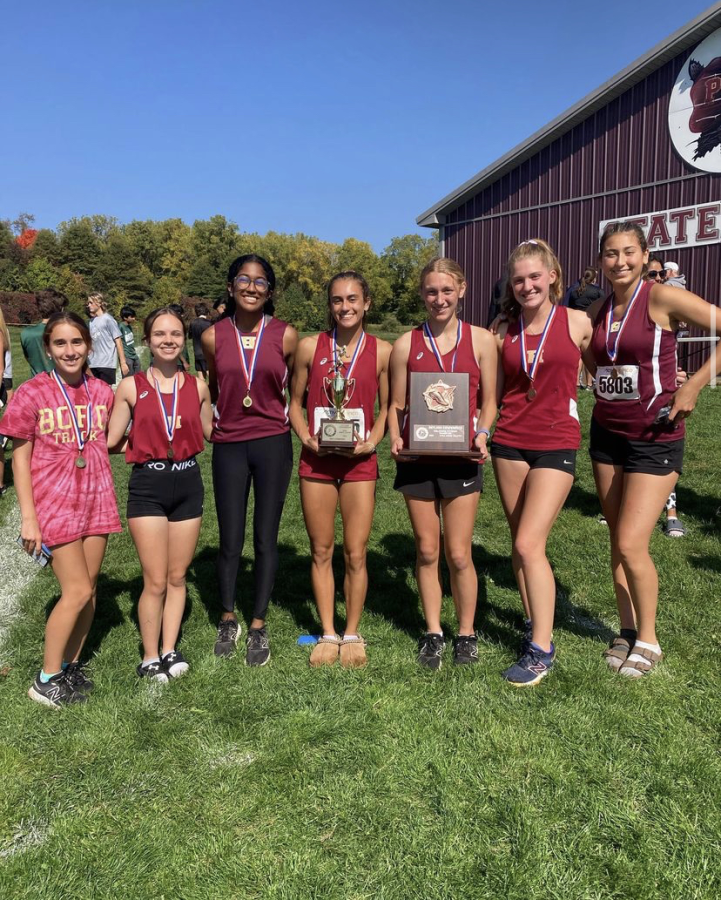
x,y
150,263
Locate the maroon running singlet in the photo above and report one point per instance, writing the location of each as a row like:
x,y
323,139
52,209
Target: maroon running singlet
x,y
148,438
631,391
549,421
268,414
361,407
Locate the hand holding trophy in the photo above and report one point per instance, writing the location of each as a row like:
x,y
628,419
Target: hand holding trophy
x,y
338,432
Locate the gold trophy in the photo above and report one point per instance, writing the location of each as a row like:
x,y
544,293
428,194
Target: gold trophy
x,y
338,433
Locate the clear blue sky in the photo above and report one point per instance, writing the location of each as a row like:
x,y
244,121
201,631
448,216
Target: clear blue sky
x,y
333,119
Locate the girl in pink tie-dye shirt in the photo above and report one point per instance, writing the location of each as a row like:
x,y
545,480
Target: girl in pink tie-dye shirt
x,y
65,490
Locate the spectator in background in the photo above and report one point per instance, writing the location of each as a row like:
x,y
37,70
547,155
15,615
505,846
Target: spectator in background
x,y
31,337
674,278
184,360
219,308
107,343
197,327
499,292
580,296
127,314
6,385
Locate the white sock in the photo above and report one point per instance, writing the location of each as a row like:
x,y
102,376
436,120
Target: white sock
x,y
351,637
642,645
147,662
329,637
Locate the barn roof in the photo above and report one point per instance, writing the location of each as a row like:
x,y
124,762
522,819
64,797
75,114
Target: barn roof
x,y
691,34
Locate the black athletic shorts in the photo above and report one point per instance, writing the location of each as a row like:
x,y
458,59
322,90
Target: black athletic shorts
x,y
8,384
104,374
563,460
649,457
435,481
164,487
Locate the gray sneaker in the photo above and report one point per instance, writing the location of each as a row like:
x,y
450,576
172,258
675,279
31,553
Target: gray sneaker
x,y
257,648
228,634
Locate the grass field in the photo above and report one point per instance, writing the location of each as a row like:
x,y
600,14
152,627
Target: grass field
x,y
388,782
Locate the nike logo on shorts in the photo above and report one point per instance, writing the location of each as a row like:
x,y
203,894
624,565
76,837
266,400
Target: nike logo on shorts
x,y
467,483
567,462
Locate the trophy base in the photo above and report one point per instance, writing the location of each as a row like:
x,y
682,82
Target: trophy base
x,y
457,454
337,434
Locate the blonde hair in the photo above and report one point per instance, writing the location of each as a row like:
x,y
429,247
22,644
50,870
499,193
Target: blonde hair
x,y
525,250
445,266
99,299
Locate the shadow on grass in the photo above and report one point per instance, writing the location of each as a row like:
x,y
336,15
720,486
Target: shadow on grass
x,y
108,614
583,501
705,508
707,563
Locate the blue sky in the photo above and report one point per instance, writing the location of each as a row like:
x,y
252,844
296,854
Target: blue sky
x,y
337,120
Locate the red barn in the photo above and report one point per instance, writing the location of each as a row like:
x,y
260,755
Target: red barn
x,y
646,146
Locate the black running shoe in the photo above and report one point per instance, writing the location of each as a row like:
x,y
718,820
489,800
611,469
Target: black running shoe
x,y
56,692
154,671
228,634
257,648
77,679
465,649
174,664
430,650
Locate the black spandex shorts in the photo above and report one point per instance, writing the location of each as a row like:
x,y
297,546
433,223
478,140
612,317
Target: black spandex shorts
x,y
104,374
649,457
563,460
435,481
166,488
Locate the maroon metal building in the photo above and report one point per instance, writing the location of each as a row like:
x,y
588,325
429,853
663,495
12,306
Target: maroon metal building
x,y
631,149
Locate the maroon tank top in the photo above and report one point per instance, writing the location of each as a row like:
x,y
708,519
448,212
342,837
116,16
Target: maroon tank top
x,y
268,415
365,391
422,359
148,438
645,344
550,420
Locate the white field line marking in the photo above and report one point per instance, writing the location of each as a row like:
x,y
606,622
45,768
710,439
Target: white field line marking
x,y
25,836
17,568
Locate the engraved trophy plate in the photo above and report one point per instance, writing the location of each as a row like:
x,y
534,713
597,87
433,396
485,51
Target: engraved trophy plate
x,y
338,433
438,415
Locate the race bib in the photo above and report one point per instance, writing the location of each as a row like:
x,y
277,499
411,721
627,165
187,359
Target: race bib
x,y
617,383
349,415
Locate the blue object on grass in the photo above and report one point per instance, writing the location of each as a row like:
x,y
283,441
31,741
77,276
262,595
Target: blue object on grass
x,y
307,639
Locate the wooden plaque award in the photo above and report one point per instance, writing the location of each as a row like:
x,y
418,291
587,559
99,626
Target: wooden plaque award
x,y
438,415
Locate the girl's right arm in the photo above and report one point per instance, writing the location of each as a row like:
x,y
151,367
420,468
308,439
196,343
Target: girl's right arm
x,y
299,383
29,528
122,413
396,407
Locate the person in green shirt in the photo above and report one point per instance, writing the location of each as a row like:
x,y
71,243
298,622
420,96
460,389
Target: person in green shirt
x,y
31,337
127,314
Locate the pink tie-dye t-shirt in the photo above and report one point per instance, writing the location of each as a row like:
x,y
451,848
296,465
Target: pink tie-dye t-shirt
x,y
70,502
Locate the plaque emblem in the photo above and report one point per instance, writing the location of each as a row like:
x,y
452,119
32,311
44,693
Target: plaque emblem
x,y
439,396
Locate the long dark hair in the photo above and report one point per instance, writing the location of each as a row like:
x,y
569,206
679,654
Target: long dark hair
x,y
348,275
235,267
589,277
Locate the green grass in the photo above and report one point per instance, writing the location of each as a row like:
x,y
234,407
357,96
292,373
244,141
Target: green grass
x,y
388,782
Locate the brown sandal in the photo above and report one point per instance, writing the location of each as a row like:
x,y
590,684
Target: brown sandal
x,y
617,652
637,667
325,652
353,653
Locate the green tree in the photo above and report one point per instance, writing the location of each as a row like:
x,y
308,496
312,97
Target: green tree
x,y
359,256
177,253
404,259
46,247
206,278
165,292
38,274
215,239
80,248
120,270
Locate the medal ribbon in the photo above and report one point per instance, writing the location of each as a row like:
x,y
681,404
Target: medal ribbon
x,y
609,321
73,415
531,373
168,421
437,352
356,353
249,371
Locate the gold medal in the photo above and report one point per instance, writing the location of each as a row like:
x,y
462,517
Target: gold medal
x,y
247,401
81,462
614,372
531,393
171,453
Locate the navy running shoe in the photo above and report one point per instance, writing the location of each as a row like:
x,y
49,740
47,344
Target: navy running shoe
x,y
533,665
